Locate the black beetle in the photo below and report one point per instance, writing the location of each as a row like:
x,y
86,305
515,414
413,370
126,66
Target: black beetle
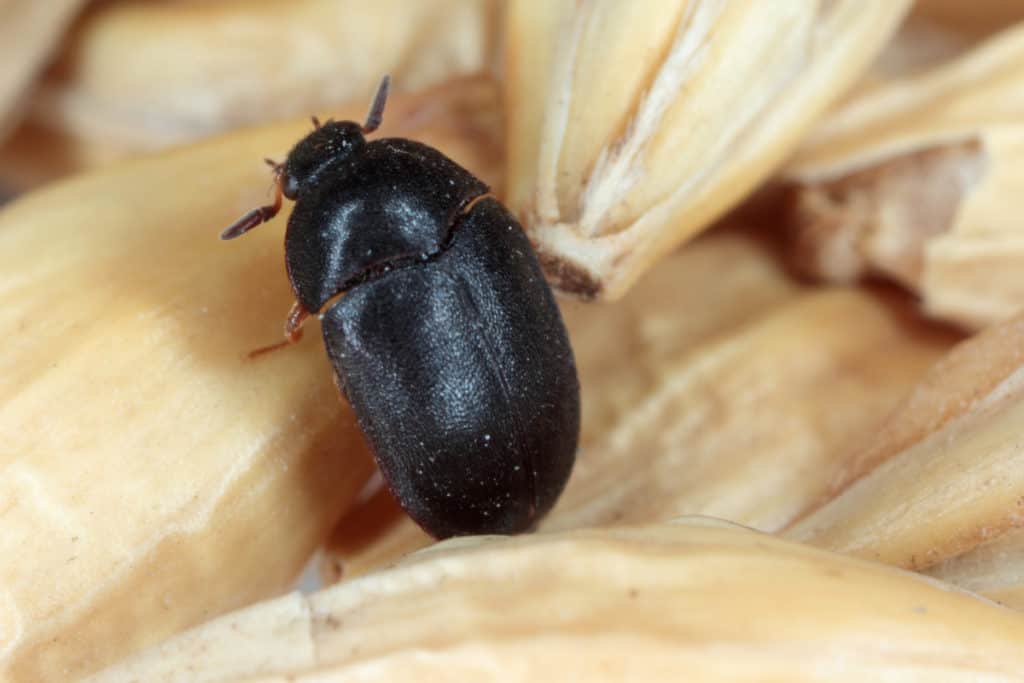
x,y
447,342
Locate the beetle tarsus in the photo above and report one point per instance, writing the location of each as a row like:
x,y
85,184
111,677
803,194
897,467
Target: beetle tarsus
x,y
293,323
292,331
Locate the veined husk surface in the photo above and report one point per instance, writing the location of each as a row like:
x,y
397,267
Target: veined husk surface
x,y
137,76
30,34
698,600
917,176
631,126
940,488
151,475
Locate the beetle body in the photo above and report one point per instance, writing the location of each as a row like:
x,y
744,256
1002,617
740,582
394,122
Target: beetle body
x,y
446,340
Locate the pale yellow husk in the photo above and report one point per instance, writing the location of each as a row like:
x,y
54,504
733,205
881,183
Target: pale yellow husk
x,y
138,76
631,126
994,568
966,22
918,178
151,475
143,75
695,600
941,487
30,34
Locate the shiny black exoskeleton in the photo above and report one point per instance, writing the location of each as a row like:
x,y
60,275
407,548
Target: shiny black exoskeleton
x,y
447,341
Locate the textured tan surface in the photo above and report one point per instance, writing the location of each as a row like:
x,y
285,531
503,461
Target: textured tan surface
x,y
151,476
632,126
943,482
151,74
917,177
30,33
694,600
136,76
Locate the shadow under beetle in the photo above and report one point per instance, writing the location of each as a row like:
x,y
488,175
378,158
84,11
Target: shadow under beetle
x,y
447,342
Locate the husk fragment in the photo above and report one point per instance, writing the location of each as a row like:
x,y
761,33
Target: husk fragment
x,y
631,126
941,486
30,33
917,178
696,600
966,22
994,569
151,475
139,76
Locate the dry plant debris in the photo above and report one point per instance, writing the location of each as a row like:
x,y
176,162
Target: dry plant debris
x,y
917,176
30,34
941,486
137,76
716,601
631,126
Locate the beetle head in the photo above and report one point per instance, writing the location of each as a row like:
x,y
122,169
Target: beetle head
x,y
326,145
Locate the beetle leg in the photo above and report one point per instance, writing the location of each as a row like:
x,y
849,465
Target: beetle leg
x,y
293,324
292,330
257,216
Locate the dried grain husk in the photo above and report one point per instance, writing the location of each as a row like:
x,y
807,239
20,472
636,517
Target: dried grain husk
x,y
30,33
144,75
966,22
34,155
941,486
631,126
152,476
697,600
917,178
736,399
993,568
938,31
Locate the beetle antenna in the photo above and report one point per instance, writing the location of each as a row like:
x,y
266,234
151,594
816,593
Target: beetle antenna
x,y
277,169
316,122
376,115
256,216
